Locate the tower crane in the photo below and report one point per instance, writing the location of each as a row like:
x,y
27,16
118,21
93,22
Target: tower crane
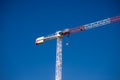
x,y
66,32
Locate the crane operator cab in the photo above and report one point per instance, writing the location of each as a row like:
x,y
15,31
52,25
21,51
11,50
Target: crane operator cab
x,y
59,34
65,32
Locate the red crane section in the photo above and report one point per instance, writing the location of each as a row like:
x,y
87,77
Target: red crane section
x,y
67,32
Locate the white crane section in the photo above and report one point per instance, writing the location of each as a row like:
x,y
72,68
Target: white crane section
x,y
97,24
58,72
59,34
41,40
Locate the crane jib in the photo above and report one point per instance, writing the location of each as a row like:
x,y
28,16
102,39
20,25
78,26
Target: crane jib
x,y
97,24
67,32
102,22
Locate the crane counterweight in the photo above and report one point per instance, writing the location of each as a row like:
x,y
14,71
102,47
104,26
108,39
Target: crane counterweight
x,y
39,40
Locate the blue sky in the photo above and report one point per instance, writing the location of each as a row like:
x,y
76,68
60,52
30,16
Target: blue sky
x,y
91,55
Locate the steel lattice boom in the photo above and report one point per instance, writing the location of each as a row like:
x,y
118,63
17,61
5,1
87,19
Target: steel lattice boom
x,y
59,34
59,60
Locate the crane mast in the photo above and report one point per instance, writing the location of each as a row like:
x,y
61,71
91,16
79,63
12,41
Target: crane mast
x,y
58,72
66,32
